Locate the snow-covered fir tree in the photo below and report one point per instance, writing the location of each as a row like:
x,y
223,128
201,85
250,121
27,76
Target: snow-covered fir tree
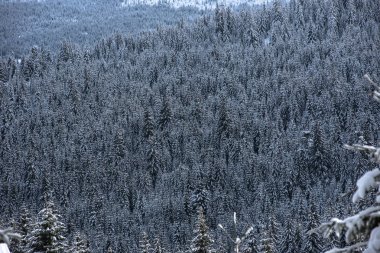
x,y
362,231
79,244
202,241
157,247
25,224
313,242
266,243
145,246
47,234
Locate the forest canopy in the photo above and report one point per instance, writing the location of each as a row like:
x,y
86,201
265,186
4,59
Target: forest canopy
x,y
240,112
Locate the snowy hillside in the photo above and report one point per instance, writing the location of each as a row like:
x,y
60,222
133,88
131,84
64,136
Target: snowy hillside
x,y
200,4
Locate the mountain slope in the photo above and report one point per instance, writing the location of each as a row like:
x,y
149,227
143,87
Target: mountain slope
x,y
240,112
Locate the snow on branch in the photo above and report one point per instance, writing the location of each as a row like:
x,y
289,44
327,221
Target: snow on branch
x,y
7,234
376,92
351,248
371,151
368,181
362,229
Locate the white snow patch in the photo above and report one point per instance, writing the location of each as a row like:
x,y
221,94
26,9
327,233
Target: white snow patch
x,y
374,241
267,41
365,183
199,4
4,248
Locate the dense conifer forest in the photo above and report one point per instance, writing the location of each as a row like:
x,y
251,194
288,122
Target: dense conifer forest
x,y
149,142
46,23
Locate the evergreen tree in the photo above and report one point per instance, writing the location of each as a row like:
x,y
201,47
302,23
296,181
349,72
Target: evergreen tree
x,y
148,128
165,113
250,244
287,238
47,232
266,243
3,72
24,228
313,243
154,162
273,230
79,245
362,230
157,246
145,246
119,144
224,122
202,240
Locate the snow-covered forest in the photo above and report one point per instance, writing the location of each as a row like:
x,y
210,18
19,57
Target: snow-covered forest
x,y
230,126
48,23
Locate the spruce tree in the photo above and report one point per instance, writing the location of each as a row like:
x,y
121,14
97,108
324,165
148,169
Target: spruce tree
x,y
145,246
47,233
361,231
266,243
79,245
202,240
224,122
165,113
23,227
148,128
157,248
313,243
154,162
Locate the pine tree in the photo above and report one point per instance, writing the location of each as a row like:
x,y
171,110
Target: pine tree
x,y
3,73
202,240
266,243
250,244
224,122
287,237
313,243
24,229
165,113
273,228
47,232
362,231
199,199
79,245
320,158
145,246
154,162
119,144
148,128
157,246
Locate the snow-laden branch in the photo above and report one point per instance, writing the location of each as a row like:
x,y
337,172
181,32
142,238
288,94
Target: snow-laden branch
x,y
371,151
367,182
376,92
7,234
349,248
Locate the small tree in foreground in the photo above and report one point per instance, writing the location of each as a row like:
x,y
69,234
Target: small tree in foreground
x,y
362,231
47,233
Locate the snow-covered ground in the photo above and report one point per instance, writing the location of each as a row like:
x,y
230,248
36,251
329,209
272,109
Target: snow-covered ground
x,y
200,4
